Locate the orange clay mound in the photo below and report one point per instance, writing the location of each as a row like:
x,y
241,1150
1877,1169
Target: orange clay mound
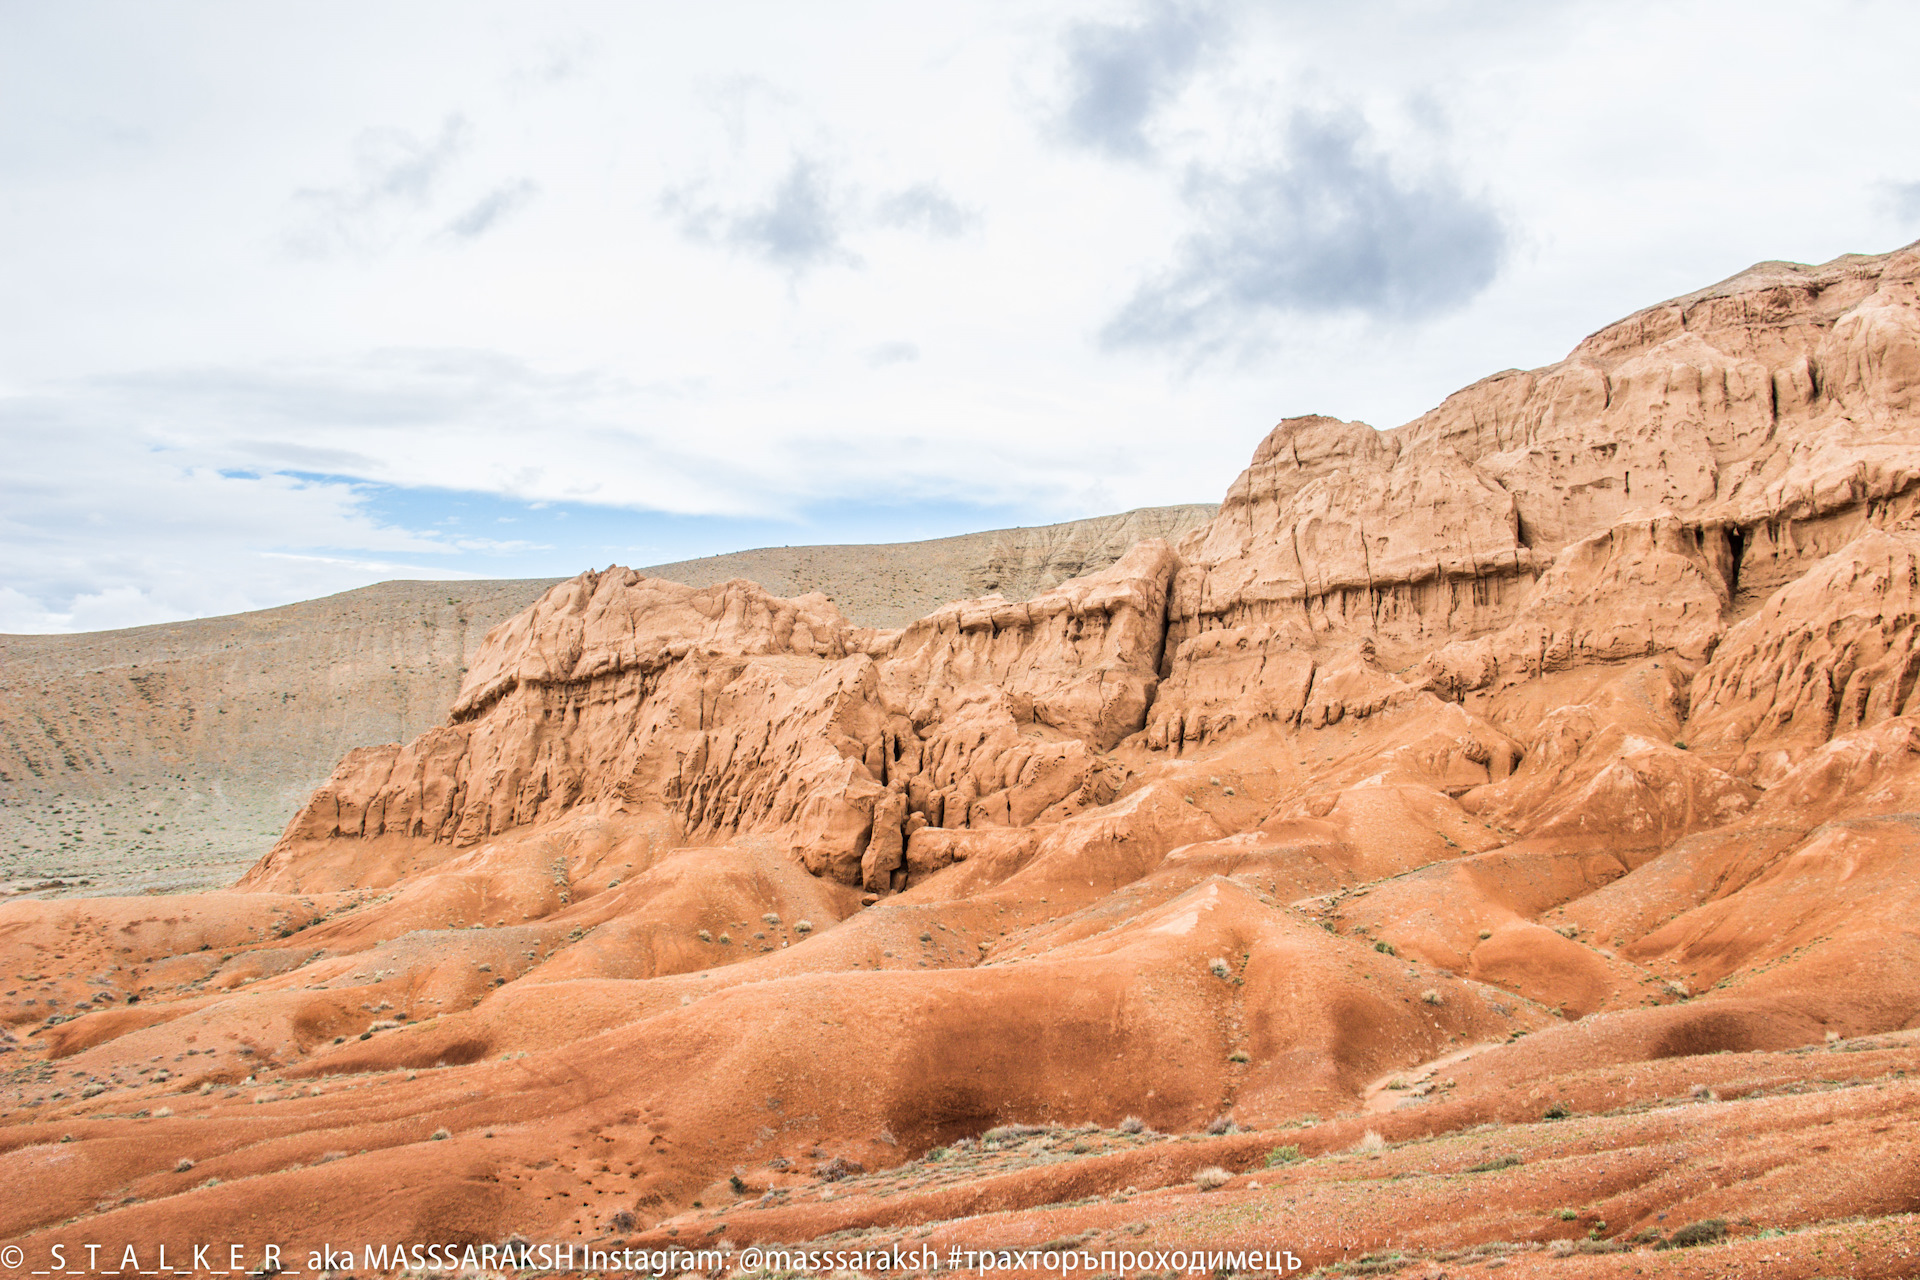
x,y
1489,844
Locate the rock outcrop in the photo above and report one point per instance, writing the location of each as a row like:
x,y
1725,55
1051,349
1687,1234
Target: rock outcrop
x,y
742,713
155,757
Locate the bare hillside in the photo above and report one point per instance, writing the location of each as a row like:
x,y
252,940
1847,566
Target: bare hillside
x,y
890,586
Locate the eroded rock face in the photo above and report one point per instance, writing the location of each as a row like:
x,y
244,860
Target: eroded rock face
x,y
1830,653
742,712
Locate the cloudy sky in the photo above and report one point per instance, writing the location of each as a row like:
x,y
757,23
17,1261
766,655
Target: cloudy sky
x,y
301,296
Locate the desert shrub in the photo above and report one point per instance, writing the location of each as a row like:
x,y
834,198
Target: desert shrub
x,y
1558,1111
1212,1178
1565,1215
1432,996
184,1165
1385,948
1283,1155
726,940
839,1167
1705,1231
738,1184
936,1155
1219,968
772,917
1220,1125
1238,1055
1370,1141
705,936
441,1135
1498,1162
803,926
1132,1124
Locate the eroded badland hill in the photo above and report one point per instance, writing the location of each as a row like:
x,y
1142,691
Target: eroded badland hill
x,y
166,758
1490,844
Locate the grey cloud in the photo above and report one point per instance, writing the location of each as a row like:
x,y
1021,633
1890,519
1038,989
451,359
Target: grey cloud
x,y
890,353
1118,75
394,170
1904,199
487,212
800,224
1329,228
925,207
806,220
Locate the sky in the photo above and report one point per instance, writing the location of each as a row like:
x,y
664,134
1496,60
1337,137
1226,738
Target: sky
x,y
304,296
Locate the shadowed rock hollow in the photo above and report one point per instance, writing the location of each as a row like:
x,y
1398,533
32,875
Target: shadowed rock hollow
x,y
1506,821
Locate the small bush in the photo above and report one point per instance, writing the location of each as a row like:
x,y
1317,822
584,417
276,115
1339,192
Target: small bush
x,y
738,1184
1565,1215
803,926
1221,1125
1238,1056
184,1165
1497,1163
1385,948
1132,1124
1705,1231
1219,968
1283,1155
1558,1111
772,917
1370,1141
726,940
839,1167
1432,996
623,1220
441,1135
1212,1178
936,1155
705,936
1485,934
162,1113
925,936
